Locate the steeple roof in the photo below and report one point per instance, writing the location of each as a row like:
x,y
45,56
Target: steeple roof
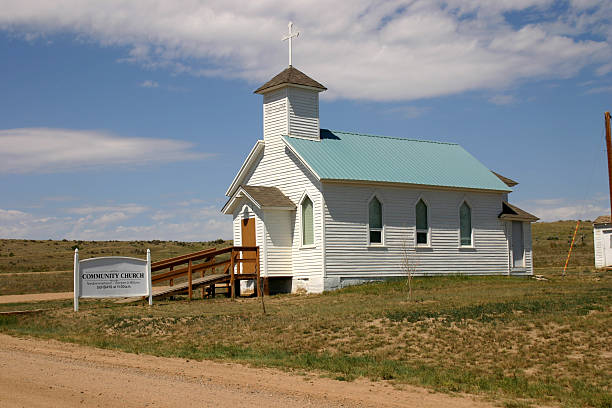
x,y
290,76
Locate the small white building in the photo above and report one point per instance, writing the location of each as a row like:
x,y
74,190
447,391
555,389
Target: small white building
x,y
330,209
602,239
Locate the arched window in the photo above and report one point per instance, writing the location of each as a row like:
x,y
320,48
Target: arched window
x,y
465,224
422,224
307,222
375,218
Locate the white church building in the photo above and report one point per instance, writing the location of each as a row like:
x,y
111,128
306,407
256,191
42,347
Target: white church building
x,y
330,208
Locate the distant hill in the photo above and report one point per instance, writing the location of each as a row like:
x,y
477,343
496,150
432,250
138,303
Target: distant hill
x,y
23,255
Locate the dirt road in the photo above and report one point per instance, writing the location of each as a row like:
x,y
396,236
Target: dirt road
x,y
46,373
35,297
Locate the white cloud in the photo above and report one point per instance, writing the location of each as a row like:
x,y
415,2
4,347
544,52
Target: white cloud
x,y
601,89
361,49
111,218
120,222
28,150
189,203
12,215
132,209
149,84
554,209
502,100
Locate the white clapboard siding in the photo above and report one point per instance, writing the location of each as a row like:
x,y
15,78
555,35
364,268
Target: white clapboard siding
x,y
247,210
528,248
346,239
275,114
279,237
280,168
303,113
598,239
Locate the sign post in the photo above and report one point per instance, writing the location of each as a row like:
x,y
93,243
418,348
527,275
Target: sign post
x,y
76,280
112,277
149,281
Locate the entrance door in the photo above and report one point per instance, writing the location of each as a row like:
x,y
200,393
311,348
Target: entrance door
x,y
607,246
248,239
518,248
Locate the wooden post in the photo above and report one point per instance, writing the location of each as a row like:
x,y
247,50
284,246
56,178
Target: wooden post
x,y
232,263
609,149
189,277
260,291
258,272
171,280
203,286
571,247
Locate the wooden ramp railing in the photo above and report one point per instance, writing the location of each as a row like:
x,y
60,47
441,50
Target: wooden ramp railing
x,y
221,268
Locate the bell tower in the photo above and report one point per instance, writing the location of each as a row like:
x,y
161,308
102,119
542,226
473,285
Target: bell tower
x,y
291,102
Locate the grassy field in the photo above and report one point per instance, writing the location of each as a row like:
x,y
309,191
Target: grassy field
x,y
23,255
24,263
518,341
551,242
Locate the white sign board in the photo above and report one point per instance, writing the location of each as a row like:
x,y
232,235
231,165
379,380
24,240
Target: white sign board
x,y
111,276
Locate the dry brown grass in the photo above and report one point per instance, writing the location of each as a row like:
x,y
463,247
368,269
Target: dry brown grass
x,y
551,242
515,339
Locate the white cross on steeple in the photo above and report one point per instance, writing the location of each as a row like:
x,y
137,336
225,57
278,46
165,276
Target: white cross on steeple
x,y
290,37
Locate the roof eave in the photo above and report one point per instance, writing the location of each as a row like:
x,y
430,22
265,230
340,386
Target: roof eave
x,y
510,217
240,192
262,91
507,181
517,214
246,166
397,183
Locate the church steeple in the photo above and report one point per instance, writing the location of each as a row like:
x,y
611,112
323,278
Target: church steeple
x,y
291,102
291,105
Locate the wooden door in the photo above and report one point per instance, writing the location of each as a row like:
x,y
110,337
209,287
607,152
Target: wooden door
x,y
248,239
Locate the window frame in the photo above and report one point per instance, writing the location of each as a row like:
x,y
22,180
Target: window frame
x,y
471,207
382,221
302,230
428,230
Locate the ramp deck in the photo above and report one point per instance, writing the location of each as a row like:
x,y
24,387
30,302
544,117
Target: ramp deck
x,y
243,264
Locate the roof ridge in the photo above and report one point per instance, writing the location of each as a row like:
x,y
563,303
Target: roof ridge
x,y
391,137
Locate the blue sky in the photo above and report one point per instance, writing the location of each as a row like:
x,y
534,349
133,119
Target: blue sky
x,y
126,120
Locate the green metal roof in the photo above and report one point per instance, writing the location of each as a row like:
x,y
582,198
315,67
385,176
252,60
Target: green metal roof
x,y
353,156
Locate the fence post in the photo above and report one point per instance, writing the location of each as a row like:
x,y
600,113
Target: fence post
x,y
232,263
258,271
260,290
189,277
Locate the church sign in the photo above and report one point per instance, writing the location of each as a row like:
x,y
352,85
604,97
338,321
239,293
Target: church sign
x,y
111,277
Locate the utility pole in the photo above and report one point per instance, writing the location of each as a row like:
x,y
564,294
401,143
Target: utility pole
x,y
609,149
